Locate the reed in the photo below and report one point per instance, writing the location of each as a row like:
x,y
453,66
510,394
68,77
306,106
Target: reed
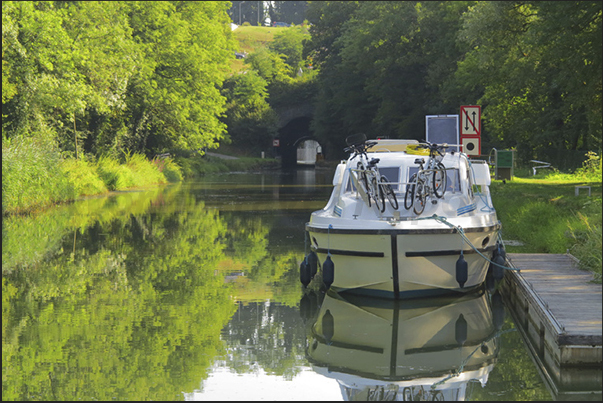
x,y
83,177
170,169
135,172
35,175
31,175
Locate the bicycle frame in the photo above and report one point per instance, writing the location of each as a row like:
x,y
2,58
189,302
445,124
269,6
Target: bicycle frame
x,y
429,181
375,185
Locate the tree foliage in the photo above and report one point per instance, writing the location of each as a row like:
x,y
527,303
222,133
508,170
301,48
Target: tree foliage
x,y
143,76
540,66
250,120
534,67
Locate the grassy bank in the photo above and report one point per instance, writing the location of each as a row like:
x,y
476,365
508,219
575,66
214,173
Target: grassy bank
x,y
197,166
35,175
545,215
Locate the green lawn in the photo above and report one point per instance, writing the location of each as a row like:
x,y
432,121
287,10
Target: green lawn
x,y
544,214
251,38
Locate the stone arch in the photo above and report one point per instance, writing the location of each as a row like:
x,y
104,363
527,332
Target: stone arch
x,y
289,113
290,136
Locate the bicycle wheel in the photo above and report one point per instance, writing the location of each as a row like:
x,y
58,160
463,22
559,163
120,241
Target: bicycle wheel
x,y
420,199
388,191
410,192
377,194
364,182
439,180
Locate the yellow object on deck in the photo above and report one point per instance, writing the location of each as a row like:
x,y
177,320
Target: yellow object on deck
x,y
415,150
387,145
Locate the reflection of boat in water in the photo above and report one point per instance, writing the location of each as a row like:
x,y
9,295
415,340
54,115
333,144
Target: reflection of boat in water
x,y
390,249
422,349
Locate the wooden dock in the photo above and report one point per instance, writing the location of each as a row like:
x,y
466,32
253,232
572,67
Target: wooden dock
x,y
558,311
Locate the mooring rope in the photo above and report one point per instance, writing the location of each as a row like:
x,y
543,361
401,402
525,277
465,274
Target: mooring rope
x,y
444,221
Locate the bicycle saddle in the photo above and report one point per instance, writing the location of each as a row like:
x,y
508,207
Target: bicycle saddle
x,y
419,161
373,162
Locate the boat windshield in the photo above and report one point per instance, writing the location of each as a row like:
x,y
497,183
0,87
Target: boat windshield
x,y
453,182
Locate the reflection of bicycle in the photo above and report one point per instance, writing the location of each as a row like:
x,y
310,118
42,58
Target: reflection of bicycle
x,y
375,185
429,181
419,394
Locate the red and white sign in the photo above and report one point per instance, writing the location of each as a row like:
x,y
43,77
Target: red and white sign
x,y
276,143
471,145
471,118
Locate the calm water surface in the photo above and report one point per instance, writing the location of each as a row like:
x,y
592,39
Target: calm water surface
x,y
191,292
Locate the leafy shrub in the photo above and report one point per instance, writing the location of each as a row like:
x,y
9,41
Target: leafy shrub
x,y
171,171
83,177
114,175
588,245
591,168
143,171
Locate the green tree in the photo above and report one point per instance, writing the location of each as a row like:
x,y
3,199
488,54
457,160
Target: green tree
x,y
291,12
113,76
539,64
381,69
289,42
174,100
250,119
252,12
269,65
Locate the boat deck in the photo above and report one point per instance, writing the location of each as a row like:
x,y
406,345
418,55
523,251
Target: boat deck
x,y
558,305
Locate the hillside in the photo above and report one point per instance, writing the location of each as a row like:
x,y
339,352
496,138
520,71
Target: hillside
x,y
251,38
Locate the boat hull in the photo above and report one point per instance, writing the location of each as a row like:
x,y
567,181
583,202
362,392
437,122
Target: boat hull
x,y
404,263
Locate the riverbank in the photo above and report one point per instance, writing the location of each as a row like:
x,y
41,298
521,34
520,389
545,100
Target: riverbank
x,y
541,214
35,175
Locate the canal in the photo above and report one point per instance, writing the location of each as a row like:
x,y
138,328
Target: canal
x,y
191,292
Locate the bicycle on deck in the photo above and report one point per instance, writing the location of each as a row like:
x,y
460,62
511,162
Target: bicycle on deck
x,y
429,181
375,185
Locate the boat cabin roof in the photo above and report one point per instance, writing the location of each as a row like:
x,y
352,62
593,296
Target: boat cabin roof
x,y
390,145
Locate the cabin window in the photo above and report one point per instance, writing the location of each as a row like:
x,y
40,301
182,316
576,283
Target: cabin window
x,y
453,179
349,183
393,176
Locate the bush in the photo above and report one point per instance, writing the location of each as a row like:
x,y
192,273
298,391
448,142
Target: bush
x,y
83,177
114,175
143,171
172,171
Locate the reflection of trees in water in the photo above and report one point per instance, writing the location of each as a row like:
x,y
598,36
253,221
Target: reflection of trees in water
x,y
121,297
265,335
134,314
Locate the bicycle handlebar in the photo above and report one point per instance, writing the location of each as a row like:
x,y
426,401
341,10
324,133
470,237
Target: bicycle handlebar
x,y
360,148
433,147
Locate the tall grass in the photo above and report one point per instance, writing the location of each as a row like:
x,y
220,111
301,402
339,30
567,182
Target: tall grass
x,y
544,213
35,175
83,177
31,174
587,246
136,171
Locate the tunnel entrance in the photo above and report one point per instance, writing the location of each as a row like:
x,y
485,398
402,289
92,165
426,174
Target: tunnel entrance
x,y
296,144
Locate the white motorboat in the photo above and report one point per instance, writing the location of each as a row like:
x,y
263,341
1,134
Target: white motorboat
x,y
379,247
422,349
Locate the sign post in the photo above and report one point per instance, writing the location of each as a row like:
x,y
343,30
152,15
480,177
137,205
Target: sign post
x,y
471,129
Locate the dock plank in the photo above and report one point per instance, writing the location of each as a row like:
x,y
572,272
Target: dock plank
x,y
566,291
